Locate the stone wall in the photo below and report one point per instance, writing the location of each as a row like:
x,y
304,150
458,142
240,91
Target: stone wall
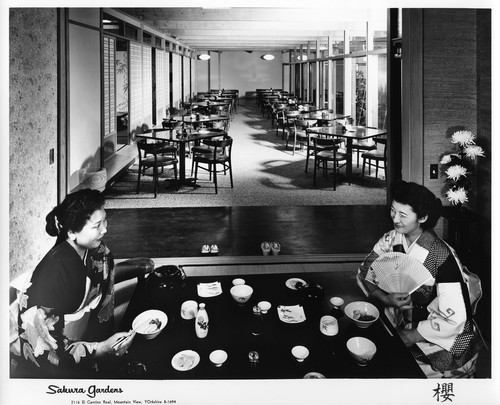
x,y
32,133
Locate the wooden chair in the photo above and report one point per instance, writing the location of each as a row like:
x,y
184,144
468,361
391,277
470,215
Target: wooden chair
x,y
220,155
151,156
327,150
376,157
200,148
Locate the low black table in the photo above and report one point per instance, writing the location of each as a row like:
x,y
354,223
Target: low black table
x,y
230,327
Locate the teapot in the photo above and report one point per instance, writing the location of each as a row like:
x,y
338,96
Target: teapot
x,y
168,276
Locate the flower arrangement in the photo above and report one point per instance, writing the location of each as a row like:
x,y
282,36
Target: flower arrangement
x,y
460,166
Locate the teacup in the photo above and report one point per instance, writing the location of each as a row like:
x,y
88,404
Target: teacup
x,y
238,281
189,309
300,353
328,325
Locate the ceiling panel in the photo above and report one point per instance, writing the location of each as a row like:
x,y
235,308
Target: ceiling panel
x,y
252,28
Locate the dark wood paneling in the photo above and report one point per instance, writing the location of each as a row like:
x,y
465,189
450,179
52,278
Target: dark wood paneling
x,y
239,231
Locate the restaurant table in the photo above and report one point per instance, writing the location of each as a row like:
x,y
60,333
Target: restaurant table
x,y
357,132
231,325
171,135
322,116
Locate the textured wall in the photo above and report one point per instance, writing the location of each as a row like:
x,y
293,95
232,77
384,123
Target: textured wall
x,y
32,133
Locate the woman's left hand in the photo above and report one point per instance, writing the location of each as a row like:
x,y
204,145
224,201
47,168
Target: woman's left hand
x,y
409,336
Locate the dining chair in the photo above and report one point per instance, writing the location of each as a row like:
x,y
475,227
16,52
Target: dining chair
x,y
220,155
200,148
362,145
296,128
151,157
327,150
376,157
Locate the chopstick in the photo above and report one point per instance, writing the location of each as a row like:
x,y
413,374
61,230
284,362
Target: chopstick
x,y
386,328
133,330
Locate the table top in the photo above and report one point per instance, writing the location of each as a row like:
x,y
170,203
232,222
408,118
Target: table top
x,y
230,329
171,135
203,118
322,116
357,132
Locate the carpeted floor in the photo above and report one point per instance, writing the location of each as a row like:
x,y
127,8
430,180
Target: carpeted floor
x,y
265,174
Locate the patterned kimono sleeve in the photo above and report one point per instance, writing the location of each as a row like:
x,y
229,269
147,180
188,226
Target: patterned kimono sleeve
x,y
448,310
384,245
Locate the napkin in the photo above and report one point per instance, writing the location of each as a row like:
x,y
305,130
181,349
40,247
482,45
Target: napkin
x,y
206,290
291,314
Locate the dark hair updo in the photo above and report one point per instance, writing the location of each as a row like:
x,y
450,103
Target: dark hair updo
x,y
421,199
73,213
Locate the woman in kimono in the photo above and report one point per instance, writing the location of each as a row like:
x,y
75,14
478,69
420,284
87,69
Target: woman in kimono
x,y
62,320
435,321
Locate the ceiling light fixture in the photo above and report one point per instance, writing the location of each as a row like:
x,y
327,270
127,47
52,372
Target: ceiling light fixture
x,y
267,56
204,56
303,57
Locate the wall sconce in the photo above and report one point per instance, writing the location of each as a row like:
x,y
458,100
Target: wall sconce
x,y
203,56
267,56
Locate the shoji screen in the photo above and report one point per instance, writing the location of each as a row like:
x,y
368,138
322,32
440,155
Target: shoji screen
x,y
160,86
147,87
166,75
187,78
141,88
193,77
135,86
176,80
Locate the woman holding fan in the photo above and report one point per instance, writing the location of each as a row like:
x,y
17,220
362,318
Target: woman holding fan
x,y
433,316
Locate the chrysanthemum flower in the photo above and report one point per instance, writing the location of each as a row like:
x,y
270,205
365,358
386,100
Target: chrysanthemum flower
x,y
473,151
463,138
458,196
455,172
445,159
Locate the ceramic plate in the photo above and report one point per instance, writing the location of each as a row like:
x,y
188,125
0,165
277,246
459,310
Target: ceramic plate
x,y
185,360
293,283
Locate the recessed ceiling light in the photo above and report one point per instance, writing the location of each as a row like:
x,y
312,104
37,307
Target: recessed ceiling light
x,y
267,56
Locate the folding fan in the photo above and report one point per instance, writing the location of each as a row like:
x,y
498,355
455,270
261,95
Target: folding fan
x,y
398,272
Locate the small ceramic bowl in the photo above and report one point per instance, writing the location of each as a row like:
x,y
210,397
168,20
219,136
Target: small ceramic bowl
x,y
362,313
336,301
264,306
238,281
300,353
150,323
361,349
218,357
241,293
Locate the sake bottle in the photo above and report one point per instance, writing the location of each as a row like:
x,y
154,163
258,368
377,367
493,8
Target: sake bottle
x,y
201,325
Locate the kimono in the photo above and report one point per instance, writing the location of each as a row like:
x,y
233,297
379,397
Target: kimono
x,y
61,313
441,312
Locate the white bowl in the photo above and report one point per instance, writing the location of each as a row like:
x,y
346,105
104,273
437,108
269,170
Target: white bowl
x,y
145,326
218,357
336,301
264,306
361,349
300,353
238,281
358,310
241,293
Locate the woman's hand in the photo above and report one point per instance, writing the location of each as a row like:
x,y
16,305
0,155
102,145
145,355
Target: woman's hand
x,y
117,344
395,300
398,300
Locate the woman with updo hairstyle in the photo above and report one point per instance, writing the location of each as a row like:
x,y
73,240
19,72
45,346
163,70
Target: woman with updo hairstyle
x,y
62,321
433,316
